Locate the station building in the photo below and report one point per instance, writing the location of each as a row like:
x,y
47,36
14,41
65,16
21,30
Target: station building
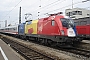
x,y
80,16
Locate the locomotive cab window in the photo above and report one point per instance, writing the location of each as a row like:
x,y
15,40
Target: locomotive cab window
x,y
67,22
53,22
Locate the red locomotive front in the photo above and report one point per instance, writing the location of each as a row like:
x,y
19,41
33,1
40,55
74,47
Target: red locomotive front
x,y
57,27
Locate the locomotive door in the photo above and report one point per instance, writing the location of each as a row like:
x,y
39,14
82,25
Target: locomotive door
x,y
53,27
49,27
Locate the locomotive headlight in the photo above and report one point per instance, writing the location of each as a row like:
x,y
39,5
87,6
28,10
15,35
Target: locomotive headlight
x,y
62,32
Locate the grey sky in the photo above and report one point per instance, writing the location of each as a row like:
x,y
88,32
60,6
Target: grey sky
x,y
9,9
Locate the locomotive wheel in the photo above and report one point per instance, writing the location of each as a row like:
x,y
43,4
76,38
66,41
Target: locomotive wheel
x,y
41,41
45,41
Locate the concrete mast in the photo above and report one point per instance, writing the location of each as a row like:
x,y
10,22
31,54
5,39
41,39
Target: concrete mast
x,y
20,16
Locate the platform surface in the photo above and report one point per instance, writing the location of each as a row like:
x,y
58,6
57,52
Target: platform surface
x,y
1,57
6,53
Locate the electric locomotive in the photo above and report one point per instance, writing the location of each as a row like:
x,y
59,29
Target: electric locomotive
x,y
53,29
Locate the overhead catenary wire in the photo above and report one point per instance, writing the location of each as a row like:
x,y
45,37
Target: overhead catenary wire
x,y
55,4
7,5
66,6
62,7
40,7
45,6
13,8
49,5
53,10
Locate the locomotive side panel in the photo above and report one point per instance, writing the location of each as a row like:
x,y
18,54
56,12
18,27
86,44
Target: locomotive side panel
x,y
34,26
31,27
48,27
26,26
21,29
39,26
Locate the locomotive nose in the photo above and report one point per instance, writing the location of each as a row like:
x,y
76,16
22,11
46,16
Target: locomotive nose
x,y
71,32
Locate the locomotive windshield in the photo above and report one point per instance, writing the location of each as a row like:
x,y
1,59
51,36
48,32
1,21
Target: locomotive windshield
x,y
67,22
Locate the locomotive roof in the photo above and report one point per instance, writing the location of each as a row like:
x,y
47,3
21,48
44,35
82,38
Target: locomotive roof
x,y
55,14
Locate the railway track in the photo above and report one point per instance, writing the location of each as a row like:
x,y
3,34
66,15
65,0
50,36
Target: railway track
x,y
78,51
82,52
26,52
